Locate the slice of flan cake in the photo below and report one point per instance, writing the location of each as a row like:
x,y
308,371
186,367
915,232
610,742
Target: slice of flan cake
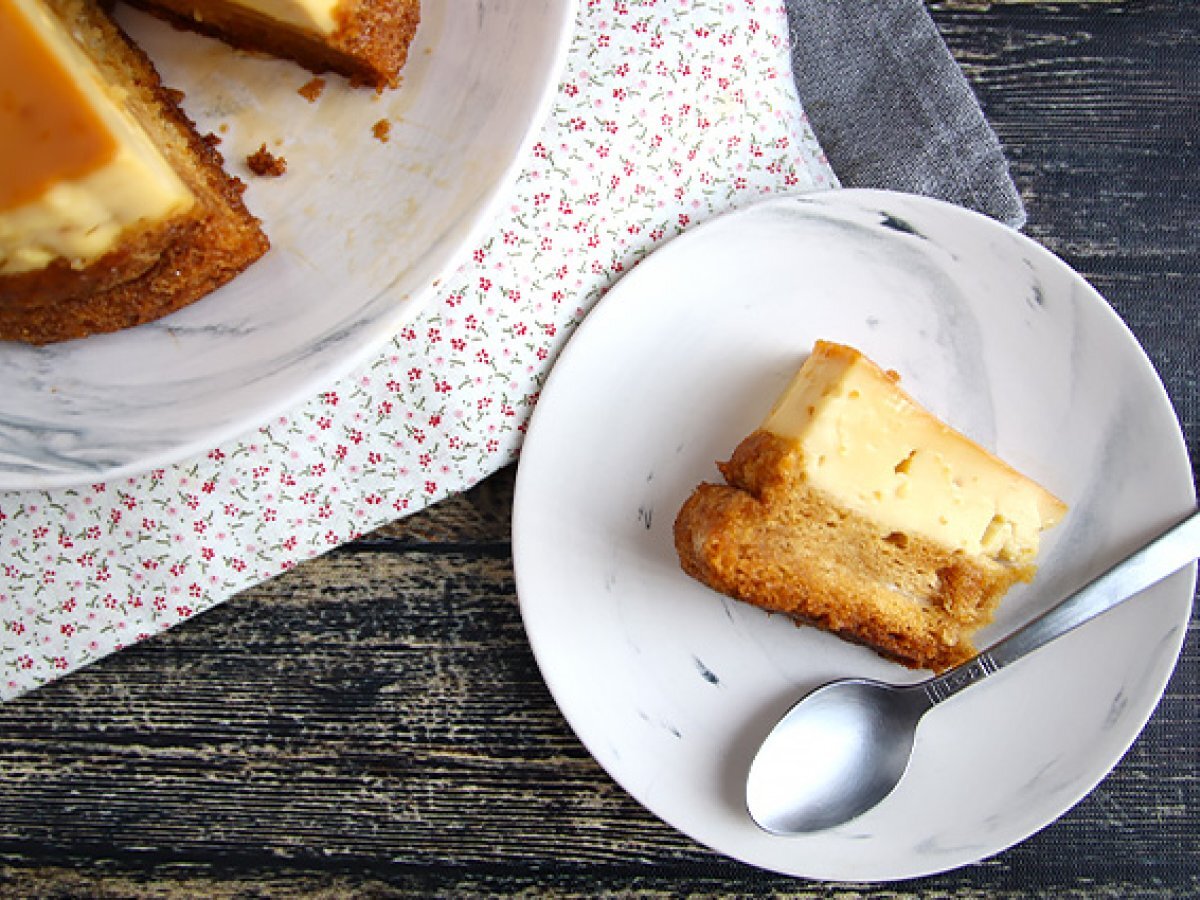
x,y
113,210
366,40
854,509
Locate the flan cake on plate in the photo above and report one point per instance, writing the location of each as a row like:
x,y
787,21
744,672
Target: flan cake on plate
x,y
113,210
854,509
365,40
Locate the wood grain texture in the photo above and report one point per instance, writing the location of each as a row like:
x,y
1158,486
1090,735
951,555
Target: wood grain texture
x,y
373,723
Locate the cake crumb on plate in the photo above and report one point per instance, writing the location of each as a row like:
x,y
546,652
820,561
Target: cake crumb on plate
x,y
263,162
312,89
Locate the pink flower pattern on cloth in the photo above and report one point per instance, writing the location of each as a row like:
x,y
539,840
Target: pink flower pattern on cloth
x,y
669,112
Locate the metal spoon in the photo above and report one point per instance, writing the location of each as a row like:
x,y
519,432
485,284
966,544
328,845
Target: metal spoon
x,y
844,747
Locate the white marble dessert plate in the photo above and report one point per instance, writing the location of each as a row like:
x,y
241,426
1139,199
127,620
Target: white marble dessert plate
x,y
361,229
672,686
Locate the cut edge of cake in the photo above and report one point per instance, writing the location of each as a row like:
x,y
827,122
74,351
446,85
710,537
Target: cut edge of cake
x,y
368,42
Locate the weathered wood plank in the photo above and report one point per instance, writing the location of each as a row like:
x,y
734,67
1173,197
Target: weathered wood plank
x,y
383,714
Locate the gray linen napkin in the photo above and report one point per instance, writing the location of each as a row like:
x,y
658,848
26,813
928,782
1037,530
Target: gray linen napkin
x,y
891,108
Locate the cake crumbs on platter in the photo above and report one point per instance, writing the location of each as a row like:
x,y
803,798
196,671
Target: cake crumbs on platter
x,y
312,89
382,130
263,162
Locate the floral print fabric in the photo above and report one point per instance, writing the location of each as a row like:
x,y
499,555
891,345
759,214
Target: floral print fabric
x,y
668,113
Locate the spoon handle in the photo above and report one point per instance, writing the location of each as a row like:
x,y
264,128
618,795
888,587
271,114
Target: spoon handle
x,y
1164,555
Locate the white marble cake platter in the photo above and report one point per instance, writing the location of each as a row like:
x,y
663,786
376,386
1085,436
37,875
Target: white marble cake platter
x,y
672,686
361,230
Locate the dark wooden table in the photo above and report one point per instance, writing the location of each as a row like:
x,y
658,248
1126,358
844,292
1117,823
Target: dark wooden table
x,y
373,722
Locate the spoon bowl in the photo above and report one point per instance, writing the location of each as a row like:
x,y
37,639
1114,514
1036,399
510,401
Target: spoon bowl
x,y
844,747
834,755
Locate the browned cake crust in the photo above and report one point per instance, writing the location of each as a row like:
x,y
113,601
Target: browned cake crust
x,y
771,540
369,46
215,242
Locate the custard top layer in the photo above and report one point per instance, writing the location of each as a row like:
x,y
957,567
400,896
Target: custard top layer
x,y
866,442
320,16
76,170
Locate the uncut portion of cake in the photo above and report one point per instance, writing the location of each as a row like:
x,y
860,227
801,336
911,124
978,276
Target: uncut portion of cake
x,y
854,509
113,210
366,40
